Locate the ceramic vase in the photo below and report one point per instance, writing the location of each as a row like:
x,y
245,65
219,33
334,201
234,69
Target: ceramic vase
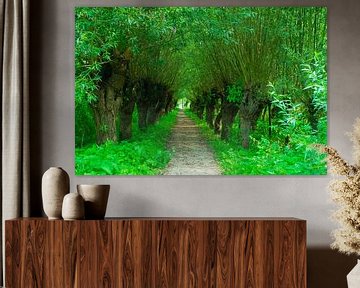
x,y
55,185
73,207
96,198
353,278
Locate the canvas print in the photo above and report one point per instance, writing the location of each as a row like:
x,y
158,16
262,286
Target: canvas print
x,y
200,90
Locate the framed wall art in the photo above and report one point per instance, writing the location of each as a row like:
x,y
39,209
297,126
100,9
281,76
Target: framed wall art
x,y
200,90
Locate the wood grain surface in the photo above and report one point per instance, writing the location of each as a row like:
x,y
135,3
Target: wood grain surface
x,y
241,253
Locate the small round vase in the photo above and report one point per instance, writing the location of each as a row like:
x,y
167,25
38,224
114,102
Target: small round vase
x,y
96,198
73,207
55,185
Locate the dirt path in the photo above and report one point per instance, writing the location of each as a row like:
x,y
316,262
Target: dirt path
x,y
191,153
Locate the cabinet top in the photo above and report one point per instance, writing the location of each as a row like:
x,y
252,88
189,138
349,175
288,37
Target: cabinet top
x,y
174,219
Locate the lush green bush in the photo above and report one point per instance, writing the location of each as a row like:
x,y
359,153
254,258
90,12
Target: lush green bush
x,y
144,154
84,126
265,157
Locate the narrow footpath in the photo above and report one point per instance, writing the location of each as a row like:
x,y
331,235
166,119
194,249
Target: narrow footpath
x,y
191,153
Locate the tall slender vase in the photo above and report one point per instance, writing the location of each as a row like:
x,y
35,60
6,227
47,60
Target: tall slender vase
x,y
55,185
353,278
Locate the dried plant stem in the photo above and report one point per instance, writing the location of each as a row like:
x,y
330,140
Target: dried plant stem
x,y
345,192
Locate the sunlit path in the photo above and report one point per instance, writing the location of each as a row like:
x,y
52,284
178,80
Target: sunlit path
x,y
191,153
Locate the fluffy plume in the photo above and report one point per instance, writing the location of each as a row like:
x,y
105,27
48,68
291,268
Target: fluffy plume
x,y
355,138
345,192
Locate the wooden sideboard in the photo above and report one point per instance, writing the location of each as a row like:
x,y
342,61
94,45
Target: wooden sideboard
x,y
156,252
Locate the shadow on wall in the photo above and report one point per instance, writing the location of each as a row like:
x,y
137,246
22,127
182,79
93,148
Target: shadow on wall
x,y
328,268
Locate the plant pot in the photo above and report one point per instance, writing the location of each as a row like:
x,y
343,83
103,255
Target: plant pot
x,y
73,207
353,278
55,185
96,198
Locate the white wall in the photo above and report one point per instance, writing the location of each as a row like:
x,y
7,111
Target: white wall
x,y
303,197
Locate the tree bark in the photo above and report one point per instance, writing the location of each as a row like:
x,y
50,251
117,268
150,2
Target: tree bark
x,y
229,111
210,112
249,112
313,119
162,101
169,102
157,104
200,110
105,111
153,94
126,112
142,114
142,103
210,107
198,106
217,123
245,129
172,103
106,108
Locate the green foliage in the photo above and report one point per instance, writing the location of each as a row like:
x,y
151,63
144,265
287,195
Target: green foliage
x,y
299,105
315,82
144,154
235,92
289,118
267,157
146,34
97,33
269,62
84,126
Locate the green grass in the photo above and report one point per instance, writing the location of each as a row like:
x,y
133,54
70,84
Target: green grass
x,y
144,154
266,157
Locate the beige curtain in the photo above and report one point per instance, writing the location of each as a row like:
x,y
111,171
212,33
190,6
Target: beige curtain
x,y
14,38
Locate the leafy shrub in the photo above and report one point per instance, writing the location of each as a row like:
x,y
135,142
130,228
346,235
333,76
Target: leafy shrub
x,y
265,157
144,154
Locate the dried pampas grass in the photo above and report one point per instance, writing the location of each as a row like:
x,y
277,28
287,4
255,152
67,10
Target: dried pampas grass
x,y
345,192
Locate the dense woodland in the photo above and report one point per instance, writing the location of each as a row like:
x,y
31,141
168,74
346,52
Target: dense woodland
x,y
253,79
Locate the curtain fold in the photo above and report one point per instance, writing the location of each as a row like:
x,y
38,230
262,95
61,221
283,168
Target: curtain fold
x,y
15,166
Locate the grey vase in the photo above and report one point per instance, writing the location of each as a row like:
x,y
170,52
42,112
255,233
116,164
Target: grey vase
x,y
55,185
73,207
96,198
